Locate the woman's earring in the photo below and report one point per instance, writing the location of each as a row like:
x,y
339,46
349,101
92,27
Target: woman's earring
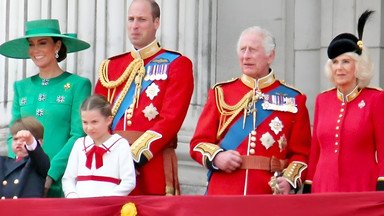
x,y
57,54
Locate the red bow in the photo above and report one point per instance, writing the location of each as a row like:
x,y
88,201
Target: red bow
x,y
98,152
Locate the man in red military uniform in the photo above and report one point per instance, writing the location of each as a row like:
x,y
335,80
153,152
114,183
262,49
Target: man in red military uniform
x,y
254,133
150,89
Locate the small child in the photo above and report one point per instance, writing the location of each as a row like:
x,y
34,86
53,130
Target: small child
x,y
100,164
24,176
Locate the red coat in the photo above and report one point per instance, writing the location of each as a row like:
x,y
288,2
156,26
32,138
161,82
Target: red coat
x,y
171,102
346,138
291,142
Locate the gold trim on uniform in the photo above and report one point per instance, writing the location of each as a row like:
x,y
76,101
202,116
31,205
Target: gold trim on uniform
x,y
208,150
259,83
293,173
135,71
147,51
228,112
142,144
349,97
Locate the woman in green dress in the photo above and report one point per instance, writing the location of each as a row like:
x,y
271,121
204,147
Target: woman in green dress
x,y
53,96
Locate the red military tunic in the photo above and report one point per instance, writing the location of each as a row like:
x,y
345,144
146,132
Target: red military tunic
x,y
153,125
347,138
283,135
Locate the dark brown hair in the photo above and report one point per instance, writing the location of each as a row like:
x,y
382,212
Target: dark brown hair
x,y
63,49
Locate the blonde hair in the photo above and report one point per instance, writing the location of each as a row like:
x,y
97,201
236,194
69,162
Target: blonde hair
x,y
363,68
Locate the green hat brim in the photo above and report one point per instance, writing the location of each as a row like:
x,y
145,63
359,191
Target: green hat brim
x,y
18,48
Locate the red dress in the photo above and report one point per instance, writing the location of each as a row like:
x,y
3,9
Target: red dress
x,y
279,134
153,127
347,137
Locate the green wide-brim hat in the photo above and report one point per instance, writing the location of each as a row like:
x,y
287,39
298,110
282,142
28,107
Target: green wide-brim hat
x,y
18,48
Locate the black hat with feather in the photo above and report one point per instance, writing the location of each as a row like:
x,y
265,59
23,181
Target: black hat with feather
x,y
347,42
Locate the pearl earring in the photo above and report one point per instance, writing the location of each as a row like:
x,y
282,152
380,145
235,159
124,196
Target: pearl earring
x,y
57,54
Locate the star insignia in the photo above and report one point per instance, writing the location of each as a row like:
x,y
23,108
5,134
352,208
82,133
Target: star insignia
x,y
282,142
267,140
150,112
276,125
152,91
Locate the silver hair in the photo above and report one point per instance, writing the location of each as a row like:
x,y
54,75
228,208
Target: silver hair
x,y
363,68
269,43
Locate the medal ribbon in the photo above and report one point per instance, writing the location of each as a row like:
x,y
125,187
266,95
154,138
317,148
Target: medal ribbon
x,y
129,97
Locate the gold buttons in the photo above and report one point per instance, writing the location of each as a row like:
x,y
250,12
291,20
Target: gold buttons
x,y
342,110
336,151
253,139
14,197
253,133
252,151
3,197
338,121
337,135
5,182
337,127
336,143
16,181
341,115
253,145
129,122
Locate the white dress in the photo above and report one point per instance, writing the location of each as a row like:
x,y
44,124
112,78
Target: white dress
x,y
115,177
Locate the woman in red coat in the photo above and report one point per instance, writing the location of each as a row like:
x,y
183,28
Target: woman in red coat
x,y
348,140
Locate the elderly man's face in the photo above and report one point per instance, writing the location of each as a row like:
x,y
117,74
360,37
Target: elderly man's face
x,y
252,56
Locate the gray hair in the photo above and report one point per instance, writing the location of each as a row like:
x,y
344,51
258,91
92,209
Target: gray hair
x,y
269,43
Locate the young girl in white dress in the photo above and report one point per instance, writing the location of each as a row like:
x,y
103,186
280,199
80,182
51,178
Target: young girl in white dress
x,y
100,163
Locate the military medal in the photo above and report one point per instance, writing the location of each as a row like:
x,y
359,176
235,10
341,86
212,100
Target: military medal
x,y
267,140
163,72
276,125
282,142
150,112
152,91
279,103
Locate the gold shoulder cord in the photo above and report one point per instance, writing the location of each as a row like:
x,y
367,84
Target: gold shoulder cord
x,y
135,70
228,113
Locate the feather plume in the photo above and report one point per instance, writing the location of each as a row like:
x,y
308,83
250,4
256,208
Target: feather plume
x,y
361,23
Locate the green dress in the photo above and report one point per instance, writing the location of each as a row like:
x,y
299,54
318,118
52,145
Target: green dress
x,y
56,104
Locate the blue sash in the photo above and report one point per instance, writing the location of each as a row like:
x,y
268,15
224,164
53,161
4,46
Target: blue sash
x,y
128,99
236,134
